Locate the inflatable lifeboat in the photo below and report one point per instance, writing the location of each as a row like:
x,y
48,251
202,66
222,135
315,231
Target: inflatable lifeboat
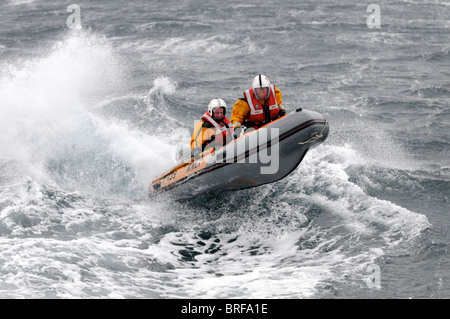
x,y
257,157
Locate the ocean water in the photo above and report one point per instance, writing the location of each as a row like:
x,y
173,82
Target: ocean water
x,y
94,102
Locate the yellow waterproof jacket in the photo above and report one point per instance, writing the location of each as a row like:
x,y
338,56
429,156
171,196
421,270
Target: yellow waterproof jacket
x,y
241,110
201,135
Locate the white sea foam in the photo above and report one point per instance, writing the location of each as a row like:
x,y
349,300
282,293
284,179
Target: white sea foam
x,y
19,2
46,119
339,195
163,85
248,268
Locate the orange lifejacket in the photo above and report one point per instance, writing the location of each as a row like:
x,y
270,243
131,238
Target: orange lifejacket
x,y
222,129
260,114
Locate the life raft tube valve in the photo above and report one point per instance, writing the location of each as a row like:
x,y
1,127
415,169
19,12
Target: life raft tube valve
x,y
299,109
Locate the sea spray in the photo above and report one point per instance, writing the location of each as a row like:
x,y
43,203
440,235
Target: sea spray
x,y
47,123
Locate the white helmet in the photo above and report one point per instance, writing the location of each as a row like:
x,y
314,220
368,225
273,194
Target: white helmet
x,y
216,103
261,81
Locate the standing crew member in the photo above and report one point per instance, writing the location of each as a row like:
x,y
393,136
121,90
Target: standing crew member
x,y
214,127
260,105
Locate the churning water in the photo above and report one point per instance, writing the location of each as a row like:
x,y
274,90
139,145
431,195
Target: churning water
x,y
90,115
